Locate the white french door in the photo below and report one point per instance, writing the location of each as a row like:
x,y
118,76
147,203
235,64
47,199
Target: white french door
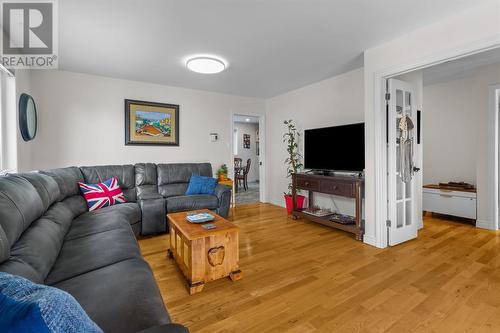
x,y
402,213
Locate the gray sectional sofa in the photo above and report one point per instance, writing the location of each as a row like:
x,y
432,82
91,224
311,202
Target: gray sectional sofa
x,y
48,236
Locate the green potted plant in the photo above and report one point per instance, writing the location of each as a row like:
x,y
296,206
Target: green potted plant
x,y
222,172
293,163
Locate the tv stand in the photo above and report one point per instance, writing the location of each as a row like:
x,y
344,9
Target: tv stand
x,y
346,186
332,173
320,172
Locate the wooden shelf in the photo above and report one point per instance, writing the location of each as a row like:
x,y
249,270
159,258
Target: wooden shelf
x,y
325,220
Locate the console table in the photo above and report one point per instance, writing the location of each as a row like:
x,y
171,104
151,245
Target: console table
x,y
345,186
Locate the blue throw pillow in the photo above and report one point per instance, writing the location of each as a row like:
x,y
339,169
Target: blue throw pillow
x,y
201,185
29,307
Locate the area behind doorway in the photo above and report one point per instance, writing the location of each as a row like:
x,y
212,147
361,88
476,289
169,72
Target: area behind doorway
x,y
246,155
455,138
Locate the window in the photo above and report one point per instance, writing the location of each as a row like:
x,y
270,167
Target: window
x,y
8,122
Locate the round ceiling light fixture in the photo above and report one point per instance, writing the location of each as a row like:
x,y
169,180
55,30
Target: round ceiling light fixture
x,y
206,64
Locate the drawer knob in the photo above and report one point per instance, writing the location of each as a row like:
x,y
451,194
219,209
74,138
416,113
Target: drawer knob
x,y
306,183
335,187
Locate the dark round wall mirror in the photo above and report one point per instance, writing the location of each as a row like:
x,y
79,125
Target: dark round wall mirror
x,y
27,117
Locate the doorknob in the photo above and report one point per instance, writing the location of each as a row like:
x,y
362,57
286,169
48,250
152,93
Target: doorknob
x,y
415,169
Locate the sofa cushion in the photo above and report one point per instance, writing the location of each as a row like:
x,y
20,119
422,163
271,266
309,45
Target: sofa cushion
x,y
36,251
4,245
136,228
100,195
146,181
39,247
16,266
65,211
124,173
173,178
173,190
122,297
47,187
67,179
145,174
84,254
191,202
108,218
29,307
20,205
181,172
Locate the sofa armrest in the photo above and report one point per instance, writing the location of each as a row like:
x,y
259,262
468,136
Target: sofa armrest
x,y
153,215
223,193
167,328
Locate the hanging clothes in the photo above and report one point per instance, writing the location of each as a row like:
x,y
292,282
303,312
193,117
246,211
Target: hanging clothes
x,y
405,125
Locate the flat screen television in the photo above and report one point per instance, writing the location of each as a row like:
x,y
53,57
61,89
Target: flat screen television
x,y
337,148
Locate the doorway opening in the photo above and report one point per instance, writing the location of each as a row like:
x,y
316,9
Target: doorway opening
x,y
452,157
247,159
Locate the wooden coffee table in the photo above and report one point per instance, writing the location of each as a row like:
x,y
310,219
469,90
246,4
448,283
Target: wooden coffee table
x,y
204,255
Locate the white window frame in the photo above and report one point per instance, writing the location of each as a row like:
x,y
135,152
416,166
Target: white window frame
x,y
8,122
235,142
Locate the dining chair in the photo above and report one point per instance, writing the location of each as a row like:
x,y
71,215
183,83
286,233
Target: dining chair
x,y
237,169
244,175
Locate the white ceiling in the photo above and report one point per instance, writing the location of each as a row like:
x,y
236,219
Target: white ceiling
x,y
459,68
272,46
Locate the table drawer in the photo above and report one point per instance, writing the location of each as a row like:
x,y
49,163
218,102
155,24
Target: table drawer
x,y
337,188
307,184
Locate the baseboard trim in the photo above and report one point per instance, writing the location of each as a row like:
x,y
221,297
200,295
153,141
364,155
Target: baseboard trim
x,y
483,224
370,240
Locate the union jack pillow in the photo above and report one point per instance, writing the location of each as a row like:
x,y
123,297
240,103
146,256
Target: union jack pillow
x,y
107,193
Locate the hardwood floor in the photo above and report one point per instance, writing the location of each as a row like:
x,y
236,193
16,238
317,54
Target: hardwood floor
x,y
304,277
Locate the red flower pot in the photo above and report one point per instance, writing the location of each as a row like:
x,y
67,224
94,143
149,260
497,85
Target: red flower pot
x,y
289,204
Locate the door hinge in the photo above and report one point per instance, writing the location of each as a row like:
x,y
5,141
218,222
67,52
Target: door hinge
x,y
388,223
387,96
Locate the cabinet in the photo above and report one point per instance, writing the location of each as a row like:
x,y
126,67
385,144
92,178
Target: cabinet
x,y
345,186
450,202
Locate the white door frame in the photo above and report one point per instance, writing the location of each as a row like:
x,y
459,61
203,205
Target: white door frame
x,y
380,172
262,151
494,154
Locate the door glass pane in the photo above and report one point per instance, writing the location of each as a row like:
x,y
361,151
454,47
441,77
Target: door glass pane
x,y
407,100
408,212
399,101
399,215
398,152
399,188
408,187
398,131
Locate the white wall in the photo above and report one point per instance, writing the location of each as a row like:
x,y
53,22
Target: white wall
x,y
460,34
451,124
24,149
461,152
335,101
245,154
82,121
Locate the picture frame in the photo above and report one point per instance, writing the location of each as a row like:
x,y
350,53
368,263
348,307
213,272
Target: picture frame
x,y
151,123
246,141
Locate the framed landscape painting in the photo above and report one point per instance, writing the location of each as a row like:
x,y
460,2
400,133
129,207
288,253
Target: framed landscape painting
x,y
149,123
